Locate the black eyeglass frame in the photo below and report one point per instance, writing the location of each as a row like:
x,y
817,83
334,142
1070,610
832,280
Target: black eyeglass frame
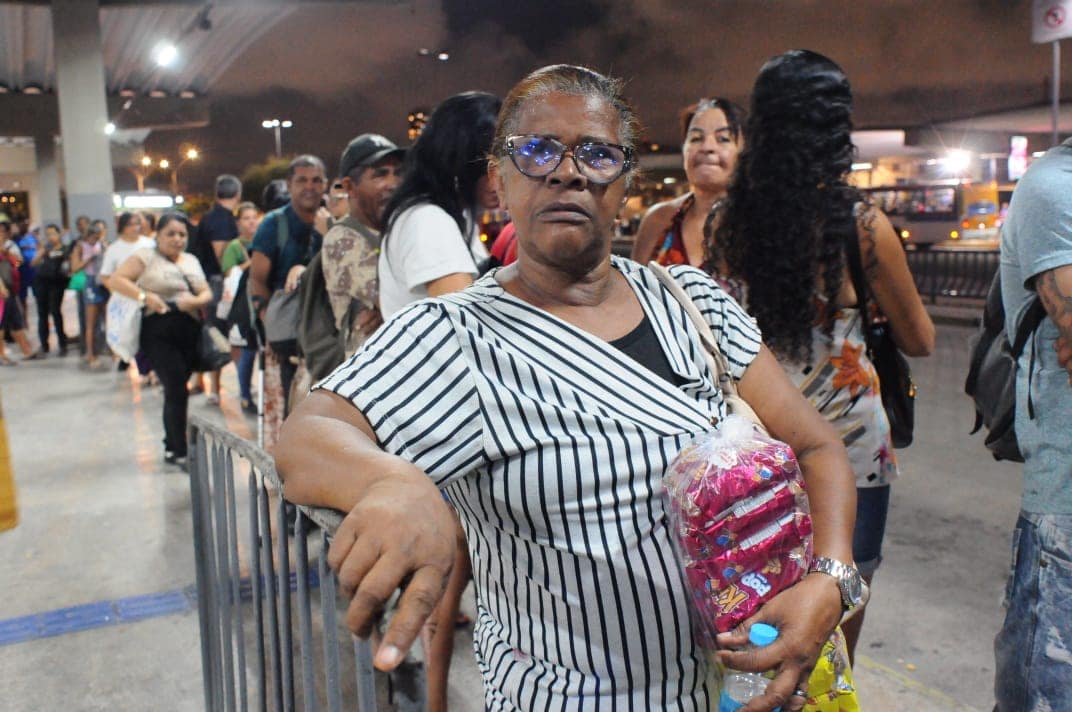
x,y
627,165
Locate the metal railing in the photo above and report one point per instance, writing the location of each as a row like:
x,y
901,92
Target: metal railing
x,y
961,274
250,583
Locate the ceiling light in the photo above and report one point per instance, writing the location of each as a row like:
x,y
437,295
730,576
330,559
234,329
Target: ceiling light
x,y
187,94
157,94
127,93
32,89
424,52
443,56
4,88
958,160
166,54
109,128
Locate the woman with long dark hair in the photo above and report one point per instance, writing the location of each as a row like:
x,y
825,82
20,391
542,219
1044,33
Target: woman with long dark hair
x,y
171,286
784,231
431,246
672,232
431,243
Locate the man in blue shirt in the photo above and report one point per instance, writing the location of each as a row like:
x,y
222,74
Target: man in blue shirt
x,y
1033,651
278,264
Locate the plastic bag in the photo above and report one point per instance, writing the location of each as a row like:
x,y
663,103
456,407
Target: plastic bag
x,y
741,523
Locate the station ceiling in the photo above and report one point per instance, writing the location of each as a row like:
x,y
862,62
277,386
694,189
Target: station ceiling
x,y
340,68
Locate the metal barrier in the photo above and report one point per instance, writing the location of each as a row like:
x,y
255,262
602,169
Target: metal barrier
x,y
247,593
942,272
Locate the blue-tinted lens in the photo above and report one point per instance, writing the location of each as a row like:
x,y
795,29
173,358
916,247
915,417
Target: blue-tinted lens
x,y
539,151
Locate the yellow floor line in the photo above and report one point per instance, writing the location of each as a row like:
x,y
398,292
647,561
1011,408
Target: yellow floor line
x,y
939,697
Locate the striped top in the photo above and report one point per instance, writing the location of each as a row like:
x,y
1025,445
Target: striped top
x,y
552,444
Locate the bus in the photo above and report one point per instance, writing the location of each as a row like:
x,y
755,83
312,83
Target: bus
x,y
931,213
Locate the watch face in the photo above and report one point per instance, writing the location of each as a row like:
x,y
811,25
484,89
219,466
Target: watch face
x,y
852,588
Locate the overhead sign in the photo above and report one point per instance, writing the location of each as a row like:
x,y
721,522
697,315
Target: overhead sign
x,y
1051,20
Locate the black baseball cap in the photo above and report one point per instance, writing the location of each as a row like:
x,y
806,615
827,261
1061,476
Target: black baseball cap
x,y
365,150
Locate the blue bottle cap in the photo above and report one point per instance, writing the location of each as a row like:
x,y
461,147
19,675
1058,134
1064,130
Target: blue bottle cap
x,y
762,634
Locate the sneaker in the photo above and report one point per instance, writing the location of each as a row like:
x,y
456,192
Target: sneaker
x,y
173,459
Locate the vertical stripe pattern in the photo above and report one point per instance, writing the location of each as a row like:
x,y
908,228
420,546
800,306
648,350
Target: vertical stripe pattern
x,y
552,445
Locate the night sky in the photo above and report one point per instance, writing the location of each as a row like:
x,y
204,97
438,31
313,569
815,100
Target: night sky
x,y
337,70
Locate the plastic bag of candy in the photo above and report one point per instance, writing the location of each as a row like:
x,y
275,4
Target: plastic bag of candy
x,y
741,523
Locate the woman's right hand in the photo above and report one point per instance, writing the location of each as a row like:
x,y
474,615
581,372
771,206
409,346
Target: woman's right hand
x,y
397,535
155,304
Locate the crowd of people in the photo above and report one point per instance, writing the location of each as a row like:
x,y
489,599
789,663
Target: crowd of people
x,y
506,416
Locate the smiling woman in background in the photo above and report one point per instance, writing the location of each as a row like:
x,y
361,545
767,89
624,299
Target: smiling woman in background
x,y
671,233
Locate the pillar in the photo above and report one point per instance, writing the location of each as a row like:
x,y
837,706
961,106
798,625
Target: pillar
x,y
48,180
80,89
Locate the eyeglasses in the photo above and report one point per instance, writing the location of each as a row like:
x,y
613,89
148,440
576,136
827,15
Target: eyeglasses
x,y
539,156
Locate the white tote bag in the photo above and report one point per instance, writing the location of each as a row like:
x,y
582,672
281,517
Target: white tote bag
x,y
123,326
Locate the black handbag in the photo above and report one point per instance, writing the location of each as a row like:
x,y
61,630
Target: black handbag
x,y
896,387
213,349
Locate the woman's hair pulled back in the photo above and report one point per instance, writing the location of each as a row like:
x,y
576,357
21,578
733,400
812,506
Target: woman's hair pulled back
x,y
733,112
565,79
789,211
174,216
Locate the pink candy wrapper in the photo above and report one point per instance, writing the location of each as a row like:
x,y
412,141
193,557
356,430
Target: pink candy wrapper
x,y
741,523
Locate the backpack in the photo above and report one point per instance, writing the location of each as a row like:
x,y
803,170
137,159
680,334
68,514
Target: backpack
x,y
321,343
991,381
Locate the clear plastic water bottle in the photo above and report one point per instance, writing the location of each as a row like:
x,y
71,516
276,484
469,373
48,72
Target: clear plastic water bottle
x,y
740,686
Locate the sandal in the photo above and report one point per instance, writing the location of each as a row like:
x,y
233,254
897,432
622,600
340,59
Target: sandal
x,y
5,361
35,356
213,399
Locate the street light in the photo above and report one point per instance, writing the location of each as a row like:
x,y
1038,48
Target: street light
x,y
277,125
192,154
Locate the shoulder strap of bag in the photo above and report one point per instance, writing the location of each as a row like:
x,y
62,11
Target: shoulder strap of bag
x,y
716,360
282,231
859,284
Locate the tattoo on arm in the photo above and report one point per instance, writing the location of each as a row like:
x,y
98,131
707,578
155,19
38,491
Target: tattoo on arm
x,y
868,244
1056,296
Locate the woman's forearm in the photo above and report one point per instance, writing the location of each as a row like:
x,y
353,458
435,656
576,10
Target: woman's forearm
x,y
327,455
832,498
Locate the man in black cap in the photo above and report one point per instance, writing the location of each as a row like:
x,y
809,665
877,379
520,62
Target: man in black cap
x,y
370,171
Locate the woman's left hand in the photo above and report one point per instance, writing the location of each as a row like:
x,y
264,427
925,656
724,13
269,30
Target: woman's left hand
x,y
805,616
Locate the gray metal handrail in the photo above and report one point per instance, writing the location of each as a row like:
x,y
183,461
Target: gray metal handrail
x,y
953,273
246,592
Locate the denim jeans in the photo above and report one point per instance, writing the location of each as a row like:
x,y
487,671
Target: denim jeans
x,y
1033,650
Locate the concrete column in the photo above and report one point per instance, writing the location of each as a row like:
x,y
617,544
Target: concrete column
x,y
80,88
49,208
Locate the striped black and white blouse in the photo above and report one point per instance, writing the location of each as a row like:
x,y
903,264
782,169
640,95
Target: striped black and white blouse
x,y
552,444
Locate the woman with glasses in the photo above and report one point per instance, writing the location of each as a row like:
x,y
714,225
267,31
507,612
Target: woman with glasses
x,y
547,400
671,233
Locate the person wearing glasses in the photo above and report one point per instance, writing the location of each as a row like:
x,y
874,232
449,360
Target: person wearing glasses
x,y
671,233
547,400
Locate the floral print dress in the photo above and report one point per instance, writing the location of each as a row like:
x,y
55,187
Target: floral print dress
x,y
842,384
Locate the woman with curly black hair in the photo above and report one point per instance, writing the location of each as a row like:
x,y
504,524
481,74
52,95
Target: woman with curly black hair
x,y
783,233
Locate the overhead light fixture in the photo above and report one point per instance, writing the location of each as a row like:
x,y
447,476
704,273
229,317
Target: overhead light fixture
x,y
109,129
33,89
443,56
862,166
157,94
165,54
128,93
957,160
187,94
4,88
423,52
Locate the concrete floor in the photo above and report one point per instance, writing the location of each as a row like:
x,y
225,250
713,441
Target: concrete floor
x,y
103,519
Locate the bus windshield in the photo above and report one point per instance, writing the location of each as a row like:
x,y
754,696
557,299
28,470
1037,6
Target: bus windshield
x,y
916,202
